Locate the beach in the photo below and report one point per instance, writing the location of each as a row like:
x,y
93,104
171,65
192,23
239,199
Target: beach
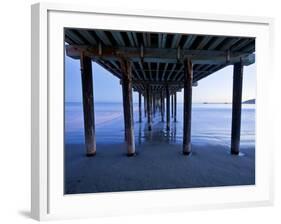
x,y
159,163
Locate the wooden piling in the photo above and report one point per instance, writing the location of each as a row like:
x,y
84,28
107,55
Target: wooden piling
x,y
188,76
162,106
236,107
128,105
168,108
154,104
172,97
140,114
175,107
145,105
148,107
88,105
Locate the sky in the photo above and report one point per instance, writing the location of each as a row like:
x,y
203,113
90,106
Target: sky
x,y
216,88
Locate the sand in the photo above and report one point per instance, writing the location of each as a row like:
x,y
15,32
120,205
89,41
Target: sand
x,y
159,163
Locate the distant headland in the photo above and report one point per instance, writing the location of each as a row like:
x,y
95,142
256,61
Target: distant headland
x,y
252,101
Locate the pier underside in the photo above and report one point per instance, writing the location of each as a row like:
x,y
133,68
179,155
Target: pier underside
x,y
157,66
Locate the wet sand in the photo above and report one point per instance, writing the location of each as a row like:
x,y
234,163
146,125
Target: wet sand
x,y
159,163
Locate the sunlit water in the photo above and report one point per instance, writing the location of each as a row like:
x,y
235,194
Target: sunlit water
x,y
211,124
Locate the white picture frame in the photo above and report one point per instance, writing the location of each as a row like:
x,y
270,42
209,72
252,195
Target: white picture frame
x,y
48,201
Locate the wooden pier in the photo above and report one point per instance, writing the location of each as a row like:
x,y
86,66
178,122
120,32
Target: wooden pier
x,y
157,66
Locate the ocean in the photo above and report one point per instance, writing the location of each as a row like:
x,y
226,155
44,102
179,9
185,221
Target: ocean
x,y
211,124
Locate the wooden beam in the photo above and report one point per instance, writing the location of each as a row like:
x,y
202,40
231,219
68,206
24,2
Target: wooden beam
x,y
189,41
73,36
203,42
159,40
229,43
164,38
176,40
134,34
164,71
188,76
157,72
236,108
90,38
149,71
128,105
216,43
131,39
161,55
171,72
103,37
118,38
143,72
88,105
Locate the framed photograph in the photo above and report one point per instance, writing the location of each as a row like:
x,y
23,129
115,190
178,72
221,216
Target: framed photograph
x,y
137,111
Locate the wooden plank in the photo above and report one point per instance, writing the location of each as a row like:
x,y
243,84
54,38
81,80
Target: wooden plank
x,y
73,36
144,74
157,71
148,39
145,44
159,40
203,42
131,39
134,34
164,71
164,39
87,35
189,41
236,108
118,38
216,42
149,71
136,71
176,40
241,44
171,72
128,105
103,37
88,105
178,74
188,79
229,43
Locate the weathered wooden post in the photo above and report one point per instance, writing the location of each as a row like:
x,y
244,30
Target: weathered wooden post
x,y
175,107
188,76
88,105
162,106
236,107
153,104
145,105
168,108
140,118
128,105
172,96
148,101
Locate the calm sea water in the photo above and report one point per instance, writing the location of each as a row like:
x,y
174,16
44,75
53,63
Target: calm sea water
x,y
211,124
